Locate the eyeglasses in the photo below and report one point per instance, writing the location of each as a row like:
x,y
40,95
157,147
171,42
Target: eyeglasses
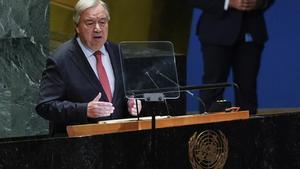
x,y
93,23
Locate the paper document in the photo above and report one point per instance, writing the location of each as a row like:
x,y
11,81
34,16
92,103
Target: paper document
x,y
131,119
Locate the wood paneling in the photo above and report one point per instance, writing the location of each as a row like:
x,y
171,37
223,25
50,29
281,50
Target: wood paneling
x,y
131,20
64,3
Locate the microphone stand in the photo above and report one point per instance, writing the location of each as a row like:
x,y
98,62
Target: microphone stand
x,y
153,97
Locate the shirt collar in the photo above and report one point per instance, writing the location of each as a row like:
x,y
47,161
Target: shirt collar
x,y
87,51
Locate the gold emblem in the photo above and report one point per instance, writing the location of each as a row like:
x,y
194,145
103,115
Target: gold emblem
x,y
208,150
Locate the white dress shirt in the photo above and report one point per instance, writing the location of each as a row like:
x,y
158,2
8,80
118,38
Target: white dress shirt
x,y
89,54
226,5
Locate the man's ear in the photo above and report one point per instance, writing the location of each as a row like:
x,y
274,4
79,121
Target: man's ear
x,y
76,28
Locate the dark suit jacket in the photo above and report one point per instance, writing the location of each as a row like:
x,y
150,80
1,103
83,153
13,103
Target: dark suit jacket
x,y
217,26
69,83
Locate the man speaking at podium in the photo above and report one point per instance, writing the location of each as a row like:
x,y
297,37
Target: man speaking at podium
x,y
82,82
232,34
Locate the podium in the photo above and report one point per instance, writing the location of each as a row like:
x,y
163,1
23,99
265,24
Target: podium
x,y
145,123
271,141
162,122
132,124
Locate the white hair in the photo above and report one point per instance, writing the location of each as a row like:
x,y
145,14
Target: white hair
x,y
85,4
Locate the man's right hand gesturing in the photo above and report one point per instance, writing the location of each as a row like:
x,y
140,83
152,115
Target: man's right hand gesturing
x,y
98,108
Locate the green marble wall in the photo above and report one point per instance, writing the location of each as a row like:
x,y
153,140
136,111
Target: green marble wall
x,y
23,50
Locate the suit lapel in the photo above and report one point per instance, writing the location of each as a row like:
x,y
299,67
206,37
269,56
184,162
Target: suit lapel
x,y
81,62
114,59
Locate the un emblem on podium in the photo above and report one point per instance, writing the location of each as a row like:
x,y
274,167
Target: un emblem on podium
x,y
208,150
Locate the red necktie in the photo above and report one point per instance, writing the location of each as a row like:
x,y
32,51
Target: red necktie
x,y
103,76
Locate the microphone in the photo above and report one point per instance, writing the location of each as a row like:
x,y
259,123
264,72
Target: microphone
x,y
156,85
187,91
153,82
202,87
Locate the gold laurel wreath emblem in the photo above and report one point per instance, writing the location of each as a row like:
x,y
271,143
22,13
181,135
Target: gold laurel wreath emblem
x,y
208,150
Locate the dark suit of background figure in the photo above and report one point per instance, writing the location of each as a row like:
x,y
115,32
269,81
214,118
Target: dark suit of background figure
x,y
231,39
69,83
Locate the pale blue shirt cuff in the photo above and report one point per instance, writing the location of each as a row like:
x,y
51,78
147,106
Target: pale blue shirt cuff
x,y
226,5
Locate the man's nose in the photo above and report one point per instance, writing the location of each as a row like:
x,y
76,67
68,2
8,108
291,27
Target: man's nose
x,y
98,27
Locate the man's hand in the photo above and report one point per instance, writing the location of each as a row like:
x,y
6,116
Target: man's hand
x,y
132,109
98,108
245,5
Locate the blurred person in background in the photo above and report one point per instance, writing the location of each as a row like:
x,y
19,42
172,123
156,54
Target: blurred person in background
x,y
232,35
